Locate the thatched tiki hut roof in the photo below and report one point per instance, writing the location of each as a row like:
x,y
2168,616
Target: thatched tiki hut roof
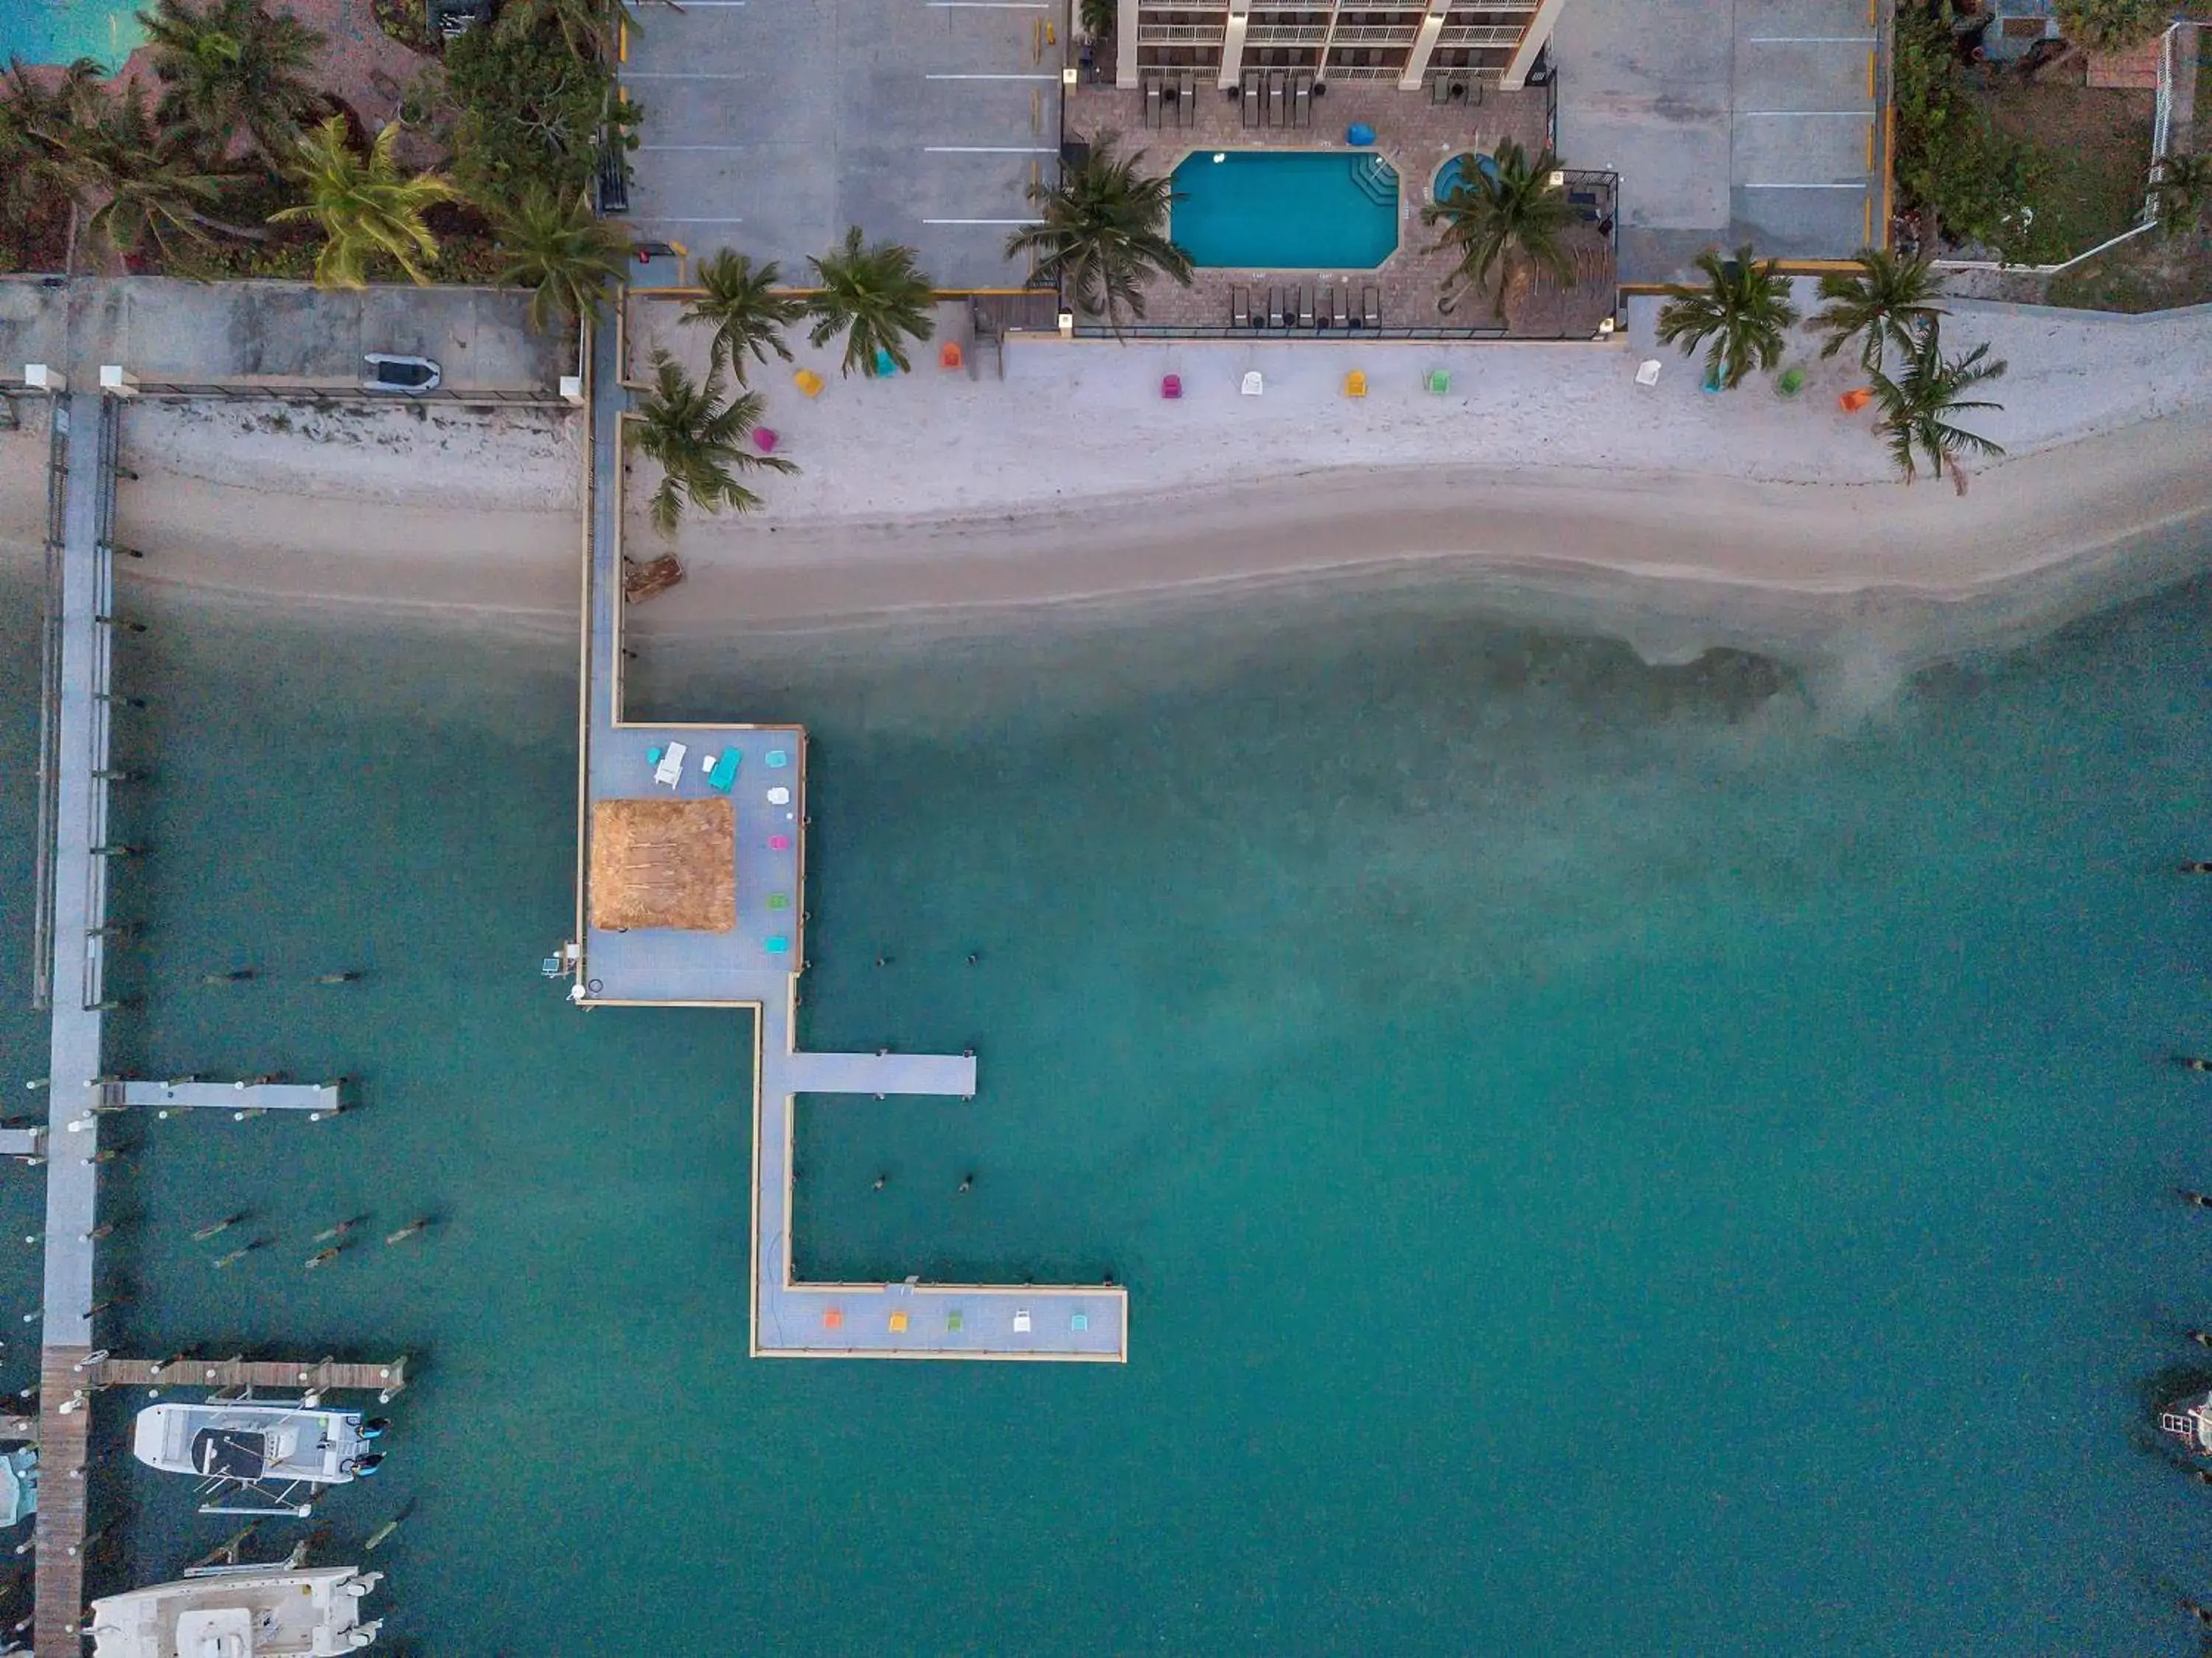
x,y
664,863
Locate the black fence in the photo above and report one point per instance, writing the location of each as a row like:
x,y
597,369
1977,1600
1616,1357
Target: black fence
x,y
348,393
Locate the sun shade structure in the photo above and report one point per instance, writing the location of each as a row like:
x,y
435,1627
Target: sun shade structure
x,y
664,863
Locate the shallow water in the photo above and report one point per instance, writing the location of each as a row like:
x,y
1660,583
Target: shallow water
x,y
1604,1158
63,30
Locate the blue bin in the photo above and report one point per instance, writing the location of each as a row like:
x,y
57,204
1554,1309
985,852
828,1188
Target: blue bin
x,y
1359,133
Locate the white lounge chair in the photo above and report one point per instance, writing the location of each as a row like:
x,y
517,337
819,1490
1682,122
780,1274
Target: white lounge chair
x,y
1253,383
669,772
1021,1320
1647,372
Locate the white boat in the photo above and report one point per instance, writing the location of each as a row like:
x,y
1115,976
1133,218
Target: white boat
x,y
240,1612
257,1458
2190,1421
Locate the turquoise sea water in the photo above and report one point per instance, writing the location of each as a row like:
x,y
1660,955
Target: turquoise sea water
x,y
1287,210
63,30
1604,1159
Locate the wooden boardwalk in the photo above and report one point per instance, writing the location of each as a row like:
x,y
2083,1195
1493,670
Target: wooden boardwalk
x,y
323,1375
65,1425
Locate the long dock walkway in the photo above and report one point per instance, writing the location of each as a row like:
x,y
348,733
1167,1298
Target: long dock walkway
x,y
755,964
69,978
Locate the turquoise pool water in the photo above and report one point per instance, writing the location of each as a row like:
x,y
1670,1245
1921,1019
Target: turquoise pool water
x,y
63,30
1449,175
1267,210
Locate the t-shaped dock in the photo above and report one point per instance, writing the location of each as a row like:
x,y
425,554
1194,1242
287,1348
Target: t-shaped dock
x,y
690,891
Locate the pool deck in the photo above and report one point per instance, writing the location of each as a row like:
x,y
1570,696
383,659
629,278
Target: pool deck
x,y
1417,138
738,969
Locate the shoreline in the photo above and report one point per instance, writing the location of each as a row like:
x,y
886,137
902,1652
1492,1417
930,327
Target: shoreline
x,y
474,524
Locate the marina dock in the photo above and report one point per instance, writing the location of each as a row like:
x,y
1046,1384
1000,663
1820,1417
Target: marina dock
x,y
690,891
70,930
316,1099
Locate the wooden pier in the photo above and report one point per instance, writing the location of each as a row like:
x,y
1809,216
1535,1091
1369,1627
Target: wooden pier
x,y
64,1428
323,1375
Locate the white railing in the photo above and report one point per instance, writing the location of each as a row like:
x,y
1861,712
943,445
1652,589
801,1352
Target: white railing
x,y
2161,136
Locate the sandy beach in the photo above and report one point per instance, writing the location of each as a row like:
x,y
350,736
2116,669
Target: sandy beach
x,y
1072,480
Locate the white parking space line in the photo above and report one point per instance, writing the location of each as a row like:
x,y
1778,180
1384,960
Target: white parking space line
x,y
1800,186
714,149
990,150
1855,115
982,221
682,74
1800,40
1054,78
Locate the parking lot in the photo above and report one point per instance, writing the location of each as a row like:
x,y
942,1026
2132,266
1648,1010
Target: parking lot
x,y
770,125
1757,121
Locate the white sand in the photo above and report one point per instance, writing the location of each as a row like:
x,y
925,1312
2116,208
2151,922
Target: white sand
x,y
1072,478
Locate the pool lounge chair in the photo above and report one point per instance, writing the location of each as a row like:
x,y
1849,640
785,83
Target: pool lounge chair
x,y
1254,383
1274,307
722,769
669,772
1151,103
1277,97
1370,307
1186,101
1306,305
1252,97
1301,100
1340,308
1240,308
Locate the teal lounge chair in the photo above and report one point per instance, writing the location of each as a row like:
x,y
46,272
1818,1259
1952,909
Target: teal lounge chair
x,y
724,772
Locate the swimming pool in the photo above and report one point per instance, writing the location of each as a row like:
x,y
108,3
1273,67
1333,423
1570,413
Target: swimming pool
x,y
1449,174
1312,209
63,30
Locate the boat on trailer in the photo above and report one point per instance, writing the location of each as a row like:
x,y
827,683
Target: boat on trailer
x,y
2189,1419
257,1457
240,1612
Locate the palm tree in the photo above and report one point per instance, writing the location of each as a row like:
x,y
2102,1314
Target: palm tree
x,y
1883,302
1510,214
364,206
1916,408
37,115
1105,233
561,251
877,295
134,181
698,441
743,309
232,67
1743,308
587,26
2181,185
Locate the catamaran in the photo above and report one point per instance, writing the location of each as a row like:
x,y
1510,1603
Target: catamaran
x,y
258,1458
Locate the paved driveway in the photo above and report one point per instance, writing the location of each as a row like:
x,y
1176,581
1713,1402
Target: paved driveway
x,y
771,124
1757,120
